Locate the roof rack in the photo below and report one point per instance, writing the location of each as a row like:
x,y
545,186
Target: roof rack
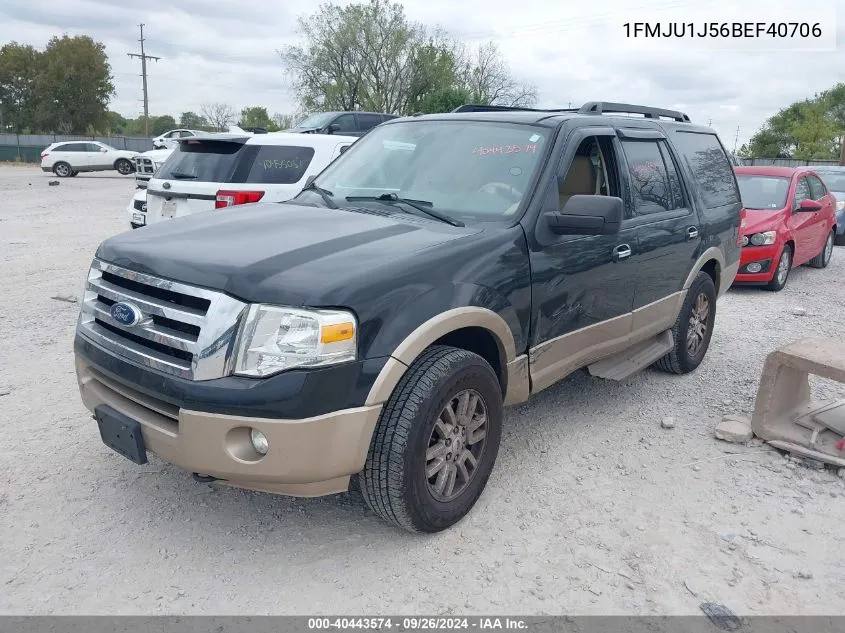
x,y
606,107
591,107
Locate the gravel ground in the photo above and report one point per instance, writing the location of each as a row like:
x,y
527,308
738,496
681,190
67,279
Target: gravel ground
x,y
593,507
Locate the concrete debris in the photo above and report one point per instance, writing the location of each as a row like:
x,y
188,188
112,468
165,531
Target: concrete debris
x,y
799,312
734,428
668,423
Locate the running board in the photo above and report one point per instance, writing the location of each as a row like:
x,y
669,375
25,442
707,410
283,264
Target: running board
x,y
638,357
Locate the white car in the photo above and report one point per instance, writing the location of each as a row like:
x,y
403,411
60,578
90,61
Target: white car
x,y
147,163
71,157
216,171
170,139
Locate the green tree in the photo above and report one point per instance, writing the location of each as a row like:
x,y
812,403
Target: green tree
x,y
192,121
74,85
116,124
444,100
18,91
162,124
254,116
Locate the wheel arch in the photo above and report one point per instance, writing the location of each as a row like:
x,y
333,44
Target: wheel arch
x,y
471,328
712,262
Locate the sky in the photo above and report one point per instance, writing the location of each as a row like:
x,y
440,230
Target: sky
x,y
226,51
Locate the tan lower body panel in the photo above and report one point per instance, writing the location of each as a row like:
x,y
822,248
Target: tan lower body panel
x,y
555,359
308,457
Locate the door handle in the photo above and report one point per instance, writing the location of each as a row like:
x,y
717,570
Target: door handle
x,y
621,252
692,233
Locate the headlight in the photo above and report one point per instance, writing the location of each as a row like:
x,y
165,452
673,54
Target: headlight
x,y
762,239
840,204
275,339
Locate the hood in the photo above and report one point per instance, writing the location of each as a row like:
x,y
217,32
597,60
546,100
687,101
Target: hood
x,y
157,154
280,253
758,220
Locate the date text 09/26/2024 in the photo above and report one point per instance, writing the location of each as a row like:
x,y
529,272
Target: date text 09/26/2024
x,y
723,29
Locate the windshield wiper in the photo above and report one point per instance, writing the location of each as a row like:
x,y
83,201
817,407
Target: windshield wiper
x,y
423,206
325,194
178,175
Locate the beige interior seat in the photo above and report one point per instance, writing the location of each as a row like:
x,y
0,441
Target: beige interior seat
x,y
580,180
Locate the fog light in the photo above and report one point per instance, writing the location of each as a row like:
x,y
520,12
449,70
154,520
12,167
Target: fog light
x,y
754,267
259,441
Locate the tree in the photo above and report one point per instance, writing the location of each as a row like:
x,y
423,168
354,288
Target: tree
x,y
285,121
162,124
18,93
444,100
192,121
219,115
74,85
116,124
254,116
369,56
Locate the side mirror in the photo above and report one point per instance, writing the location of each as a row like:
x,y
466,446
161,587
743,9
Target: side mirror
x,y
587,215
809,206
334,127
103,149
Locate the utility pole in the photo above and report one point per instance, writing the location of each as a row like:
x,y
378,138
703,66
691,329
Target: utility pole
x,y
144,57
736,138
709,122
842,150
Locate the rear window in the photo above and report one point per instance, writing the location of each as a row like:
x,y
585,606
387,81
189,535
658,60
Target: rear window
x,y
279,164
204,161
710,167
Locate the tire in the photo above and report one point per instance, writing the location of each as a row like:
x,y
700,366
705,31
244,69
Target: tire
x,y
823,258
62,169
698,313
124,166
410,438
780,276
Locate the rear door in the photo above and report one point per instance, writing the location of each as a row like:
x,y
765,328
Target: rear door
x,y
367,122
803,223
190,178
823,218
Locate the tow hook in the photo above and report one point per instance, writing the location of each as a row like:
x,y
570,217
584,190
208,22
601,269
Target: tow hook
x,y
204,479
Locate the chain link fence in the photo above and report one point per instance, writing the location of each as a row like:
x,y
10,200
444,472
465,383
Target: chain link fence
x,y
27,148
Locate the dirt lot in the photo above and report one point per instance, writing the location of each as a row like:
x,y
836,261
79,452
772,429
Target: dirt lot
x,y
593,507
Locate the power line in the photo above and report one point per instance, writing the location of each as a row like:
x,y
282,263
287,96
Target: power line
x,y
144,57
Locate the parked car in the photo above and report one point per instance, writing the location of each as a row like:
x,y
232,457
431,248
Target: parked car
x,y
346,123
147,163
69,158
170,139
834,179
224,170
375,325
789,220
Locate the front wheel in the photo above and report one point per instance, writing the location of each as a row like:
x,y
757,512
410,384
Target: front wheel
x,y
123,167
693,328
823,258
436,442
782,271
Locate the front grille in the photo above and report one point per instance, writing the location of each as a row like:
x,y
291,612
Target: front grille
x,y
182,330
139,205
144,166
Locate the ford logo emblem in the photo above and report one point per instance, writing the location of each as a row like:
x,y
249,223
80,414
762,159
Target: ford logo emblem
x,y
126,314
166,185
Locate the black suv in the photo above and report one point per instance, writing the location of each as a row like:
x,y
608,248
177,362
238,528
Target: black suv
x,y
372,328
345,123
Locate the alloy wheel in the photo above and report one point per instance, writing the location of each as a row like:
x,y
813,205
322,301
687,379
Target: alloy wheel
x,y
698,324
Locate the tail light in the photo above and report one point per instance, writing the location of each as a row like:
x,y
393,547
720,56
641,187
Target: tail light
x,y
44,155
741,230
233,198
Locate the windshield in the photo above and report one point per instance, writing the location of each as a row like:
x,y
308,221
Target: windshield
x,y
315,121
835,180
763,192
461,169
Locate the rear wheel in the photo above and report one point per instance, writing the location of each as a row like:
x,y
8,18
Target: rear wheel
x,y
784,266
693,328
436,442
62,169
123,166
823,259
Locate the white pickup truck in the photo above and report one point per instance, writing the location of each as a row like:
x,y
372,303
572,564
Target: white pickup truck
x,y
216,171
147,163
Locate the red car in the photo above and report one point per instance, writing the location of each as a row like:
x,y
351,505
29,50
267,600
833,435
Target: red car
x,y
789,220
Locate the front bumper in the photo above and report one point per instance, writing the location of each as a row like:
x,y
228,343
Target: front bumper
x,y
766,256
309,455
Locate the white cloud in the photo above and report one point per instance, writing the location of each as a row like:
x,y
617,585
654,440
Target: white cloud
x,y
216,51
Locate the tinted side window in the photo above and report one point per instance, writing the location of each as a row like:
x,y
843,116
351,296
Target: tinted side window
x,y
93,147
71,147
802,191
816,187
368,121
710,167
346,123
279,164
650,182
201,161
674,178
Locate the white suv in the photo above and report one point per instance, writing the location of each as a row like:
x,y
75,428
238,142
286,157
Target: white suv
x,y
170,139
216,171
71,157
